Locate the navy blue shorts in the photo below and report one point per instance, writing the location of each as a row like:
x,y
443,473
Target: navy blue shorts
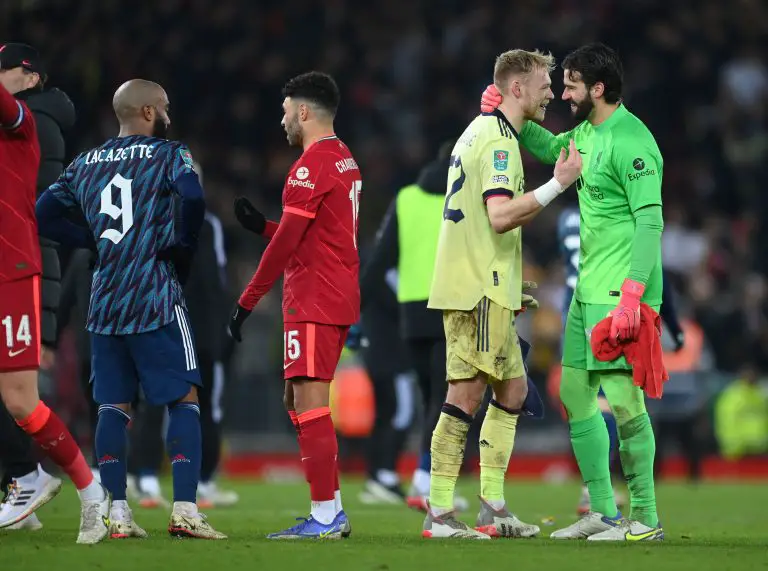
x,y
163,362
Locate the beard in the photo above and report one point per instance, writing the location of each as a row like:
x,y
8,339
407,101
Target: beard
x,y
160,128
293,132
583,109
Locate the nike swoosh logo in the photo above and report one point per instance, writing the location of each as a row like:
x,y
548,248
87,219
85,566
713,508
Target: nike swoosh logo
x,y
19,352
286,365
629,536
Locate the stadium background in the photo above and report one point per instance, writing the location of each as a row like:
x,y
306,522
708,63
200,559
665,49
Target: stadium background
x,y
411,74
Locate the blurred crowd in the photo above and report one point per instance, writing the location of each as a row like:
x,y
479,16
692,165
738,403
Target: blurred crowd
x,y
411,74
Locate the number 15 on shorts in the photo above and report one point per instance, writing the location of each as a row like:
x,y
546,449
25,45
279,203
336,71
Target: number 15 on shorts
x,y
291,347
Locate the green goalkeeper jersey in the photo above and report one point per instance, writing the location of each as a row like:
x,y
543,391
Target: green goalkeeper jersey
x,y
622,174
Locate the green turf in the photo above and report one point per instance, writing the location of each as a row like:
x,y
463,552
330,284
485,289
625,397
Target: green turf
x,y
707,527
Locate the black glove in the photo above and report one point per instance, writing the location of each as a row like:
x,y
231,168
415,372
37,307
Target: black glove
x,y
181,258
356,340
239,315
249,218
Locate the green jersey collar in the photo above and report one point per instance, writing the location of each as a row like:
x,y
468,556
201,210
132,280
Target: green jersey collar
x,y
620,112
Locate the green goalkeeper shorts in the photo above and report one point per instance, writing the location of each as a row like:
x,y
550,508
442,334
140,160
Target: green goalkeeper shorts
x,y
577,351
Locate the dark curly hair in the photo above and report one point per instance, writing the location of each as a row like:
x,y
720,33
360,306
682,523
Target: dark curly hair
x,y
597,63
316,87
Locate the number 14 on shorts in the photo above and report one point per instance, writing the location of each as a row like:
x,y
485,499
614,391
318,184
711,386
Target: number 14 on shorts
x,y
22,333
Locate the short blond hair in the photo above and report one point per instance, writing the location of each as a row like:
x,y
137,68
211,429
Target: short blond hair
x,y
520,62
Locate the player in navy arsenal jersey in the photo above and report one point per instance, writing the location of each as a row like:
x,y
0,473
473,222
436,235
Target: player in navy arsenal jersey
x,y
128,189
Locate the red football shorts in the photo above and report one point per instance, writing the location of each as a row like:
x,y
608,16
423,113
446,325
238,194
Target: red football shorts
x,y
20,325
312,350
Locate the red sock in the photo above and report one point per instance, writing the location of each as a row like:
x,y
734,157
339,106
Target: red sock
x,y
46,428
319,449
297,426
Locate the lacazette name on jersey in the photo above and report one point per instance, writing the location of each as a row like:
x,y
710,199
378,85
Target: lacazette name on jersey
x,y
119,154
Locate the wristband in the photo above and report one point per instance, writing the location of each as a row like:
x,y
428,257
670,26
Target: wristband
x,y
547,192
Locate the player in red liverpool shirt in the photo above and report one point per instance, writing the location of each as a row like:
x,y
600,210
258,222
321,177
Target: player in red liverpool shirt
x,y
20,268
315,246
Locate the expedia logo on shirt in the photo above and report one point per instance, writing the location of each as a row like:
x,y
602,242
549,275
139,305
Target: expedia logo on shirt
x,y
639,165
594,191
304,183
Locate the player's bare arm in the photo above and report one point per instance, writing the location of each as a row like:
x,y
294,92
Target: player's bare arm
x,y
506,213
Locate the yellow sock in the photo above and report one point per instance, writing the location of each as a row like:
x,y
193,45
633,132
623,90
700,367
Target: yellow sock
x,y
497,438
448,442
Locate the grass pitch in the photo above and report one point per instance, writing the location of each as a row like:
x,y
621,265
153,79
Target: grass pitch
x,y
709,526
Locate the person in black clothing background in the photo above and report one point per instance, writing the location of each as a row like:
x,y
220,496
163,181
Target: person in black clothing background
x,y
421,329
208,301
386,361
54,113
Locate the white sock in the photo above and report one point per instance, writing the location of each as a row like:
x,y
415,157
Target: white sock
x,y
324,512
119,510
337,501
496,504
421,482
387,478
150,485
437,512
188,509
28,479
93,492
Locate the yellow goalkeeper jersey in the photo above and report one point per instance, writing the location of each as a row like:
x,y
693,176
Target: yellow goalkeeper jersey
x,y
473,261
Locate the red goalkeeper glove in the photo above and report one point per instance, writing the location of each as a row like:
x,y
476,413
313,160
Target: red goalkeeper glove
x,y
625,325
491,99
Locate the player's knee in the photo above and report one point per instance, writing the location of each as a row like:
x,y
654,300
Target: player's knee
x,y
627,402
627,411
466,395
191,396
511,394
309,395
19,391
20,407
577,395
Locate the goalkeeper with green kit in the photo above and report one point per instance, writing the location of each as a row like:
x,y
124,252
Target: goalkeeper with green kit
x,y
620,260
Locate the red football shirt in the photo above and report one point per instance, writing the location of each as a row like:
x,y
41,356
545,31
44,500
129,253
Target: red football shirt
x,y
19,163
321,281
